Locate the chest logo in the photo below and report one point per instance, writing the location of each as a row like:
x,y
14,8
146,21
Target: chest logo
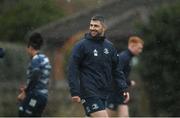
x,y
95,53
106,51
95,106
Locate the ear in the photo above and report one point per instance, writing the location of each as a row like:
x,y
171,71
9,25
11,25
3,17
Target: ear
x,y
31,48
104,27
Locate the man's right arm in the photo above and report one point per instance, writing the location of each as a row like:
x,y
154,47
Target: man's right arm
x,y
73,70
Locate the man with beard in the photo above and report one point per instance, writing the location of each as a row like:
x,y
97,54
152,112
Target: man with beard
x,y
93,66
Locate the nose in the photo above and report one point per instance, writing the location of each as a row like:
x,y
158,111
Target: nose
x,y
92,27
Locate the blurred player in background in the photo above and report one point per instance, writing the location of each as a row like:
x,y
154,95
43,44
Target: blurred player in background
x,y
33,97
116,103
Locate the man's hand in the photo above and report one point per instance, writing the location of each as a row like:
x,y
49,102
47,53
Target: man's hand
x,y
76,99
133,83
22,93
127,97
21,96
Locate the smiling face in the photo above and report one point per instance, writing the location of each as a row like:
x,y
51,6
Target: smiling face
x,y
96,28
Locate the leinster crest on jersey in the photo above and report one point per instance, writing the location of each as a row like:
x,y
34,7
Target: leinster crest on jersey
x,y
106,51
95,52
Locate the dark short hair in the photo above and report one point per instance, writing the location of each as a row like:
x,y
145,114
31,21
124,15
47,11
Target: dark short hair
x,y
35,41
98,18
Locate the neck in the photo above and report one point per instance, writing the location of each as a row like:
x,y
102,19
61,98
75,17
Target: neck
x,y
99,36
130,50
34,52
102,34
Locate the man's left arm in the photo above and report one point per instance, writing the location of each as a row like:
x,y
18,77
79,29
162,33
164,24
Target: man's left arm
x,y
23,90
118,74
119,78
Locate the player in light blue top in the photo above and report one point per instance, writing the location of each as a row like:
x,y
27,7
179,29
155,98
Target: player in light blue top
x,y
33,98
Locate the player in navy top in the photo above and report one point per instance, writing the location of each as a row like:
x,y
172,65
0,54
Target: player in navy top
x,y
116,101
92,67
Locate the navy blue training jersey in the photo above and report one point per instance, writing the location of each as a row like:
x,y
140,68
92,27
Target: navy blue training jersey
x,y
92,67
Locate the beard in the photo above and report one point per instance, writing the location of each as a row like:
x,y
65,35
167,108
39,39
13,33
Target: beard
x,y
95,33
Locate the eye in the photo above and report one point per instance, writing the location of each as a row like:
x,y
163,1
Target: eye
x,y
96,25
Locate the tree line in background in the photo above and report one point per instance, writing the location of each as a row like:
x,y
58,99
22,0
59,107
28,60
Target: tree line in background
x,y
18,17
160,61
